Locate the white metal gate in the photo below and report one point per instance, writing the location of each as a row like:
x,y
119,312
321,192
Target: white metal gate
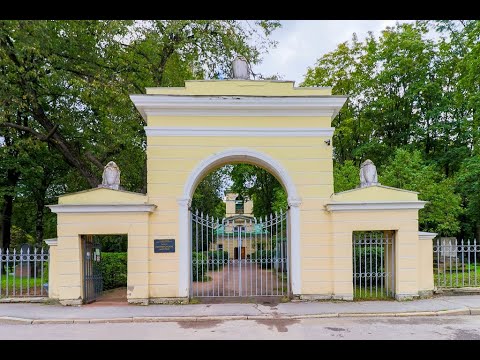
x,y
239,256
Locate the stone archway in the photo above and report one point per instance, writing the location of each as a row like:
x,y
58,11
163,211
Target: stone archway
x,y
236,155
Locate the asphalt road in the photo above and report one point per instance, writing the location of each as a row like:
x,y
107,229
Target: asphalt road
x,y
439,328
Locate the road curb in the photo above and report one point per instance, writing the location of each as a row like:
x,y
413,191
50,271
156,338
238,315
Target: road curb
x,y
464,311
52,321
474,311
14,320
144,319
366,314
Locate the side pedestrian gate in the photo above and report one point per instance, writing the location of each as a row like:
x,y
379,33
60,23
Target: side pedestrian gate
x,y
92,275
240,256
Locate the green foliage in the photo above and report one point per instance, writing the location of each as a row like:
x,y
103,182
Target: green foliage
x,y
208,196
468,185
409,171
217,259
65,109
19,237
113,243
367,258
416,92
345,176
258,184
114,270
199,266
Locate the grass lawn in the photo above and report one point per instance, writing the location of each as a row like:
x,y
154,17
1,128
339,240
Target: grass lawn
x,y
21,285
456,278
371,293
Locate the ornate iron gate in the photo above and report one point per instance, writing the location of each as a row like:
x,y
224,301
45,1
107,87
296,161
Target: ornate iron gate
x,y
240,256
92,275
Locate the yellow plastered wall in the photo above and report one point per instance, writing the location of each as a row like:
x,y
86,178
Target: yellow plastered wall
x,y
69,255
405,225
325,237
411,259
171,160
53,273
425,265
67,267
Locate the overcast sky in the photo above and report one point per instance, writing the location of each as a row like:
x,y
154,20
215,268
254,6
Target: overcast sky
x,y
302,42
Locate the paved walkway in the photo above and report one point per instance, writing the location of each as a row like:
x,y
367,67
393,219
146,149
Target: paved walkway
x,y
255,282
36,313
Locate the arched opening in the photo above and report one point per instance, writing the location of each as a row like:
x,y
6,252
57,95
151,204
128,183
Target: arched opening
x,y
242,255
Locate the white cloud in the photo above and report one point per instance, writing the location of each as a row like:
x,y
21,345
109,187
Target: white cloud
x,y
302,42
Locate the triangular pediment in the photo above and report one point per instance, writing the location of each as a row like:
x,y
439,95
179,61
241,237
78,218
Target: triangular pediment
x,y
103,196
375,193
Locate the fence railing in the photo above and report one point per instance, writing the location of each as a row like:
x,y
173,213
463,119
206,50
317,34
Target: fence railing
x,y
456,263
23,273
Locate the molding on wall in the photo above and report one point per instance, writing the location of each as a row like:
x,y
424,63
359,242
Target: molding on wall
x,y
51,242
422,235
238,131
375,205
101,208
190,105
239,155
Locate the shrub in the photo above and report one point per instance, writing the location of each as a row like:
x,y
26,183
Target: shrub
x,y
199,266
114,270
363,262
216,259
263,258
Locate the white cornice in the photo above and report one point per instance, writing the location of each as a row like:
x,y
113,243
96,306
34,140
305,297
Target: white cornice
x,y
234,131
175,105
51,242
375,205
422,235
99,208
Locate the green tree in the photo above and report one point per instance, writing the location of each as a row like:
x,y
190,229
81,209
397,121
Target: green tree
x,y
263,188
345,176
208,196
67,83
468,185
413,91
407,170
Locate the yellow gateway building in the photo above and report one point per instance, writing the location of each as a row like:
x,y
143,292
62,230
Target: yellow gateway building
x,y
326,245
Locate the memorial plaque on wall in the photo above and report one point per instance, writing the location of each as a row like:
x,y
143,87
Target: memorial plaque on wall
x,y
164,245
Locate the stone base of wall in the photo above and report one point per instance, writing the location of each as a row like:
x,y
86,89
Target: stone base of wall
x,y
317,297
459,291
425,294
138,301
171,301
24,300
71,302
405,297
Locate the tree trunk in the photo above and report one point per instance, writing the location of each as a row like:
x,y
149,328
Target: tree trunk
x,y
6,224
40,212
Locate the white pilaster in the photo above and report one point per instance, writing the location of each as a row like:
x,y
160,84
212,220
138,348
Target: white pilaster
x,y
295,261
184,245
